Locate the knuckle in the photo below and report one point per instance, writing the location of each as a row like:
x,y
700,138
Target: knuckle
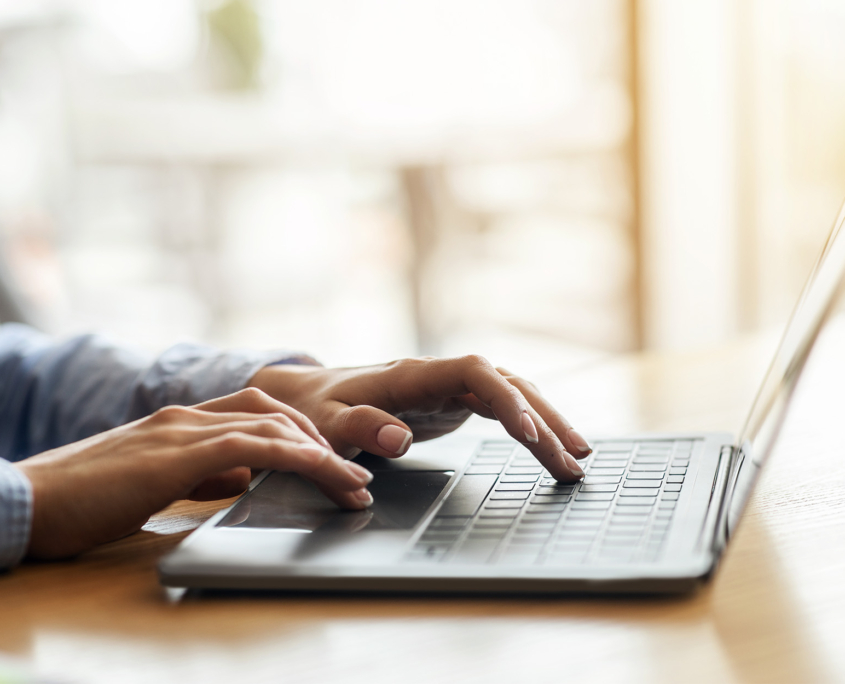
x,y
172,414
476,360
252,396
315,459
232,441
279,419
353,419
270,426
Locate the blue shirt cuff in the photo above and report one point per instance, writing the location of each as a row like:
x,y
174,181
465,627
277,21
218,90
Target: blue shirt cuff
x,y
15,514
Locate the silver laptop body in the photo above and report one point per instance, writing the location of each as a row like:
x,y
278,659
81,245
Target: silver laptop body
x,y
653,514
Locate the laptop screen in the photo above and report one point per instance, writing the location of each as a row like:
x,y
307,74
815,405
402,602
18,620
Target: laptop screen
x,y
818,299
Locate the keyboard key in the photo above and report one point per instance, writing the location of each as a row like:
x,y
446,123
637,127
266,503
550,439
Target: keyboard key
x,y
499,512
535,523
641,484
562,498
490,460
614,446
675,479
663,514
514,487
649,468
645,476
505,496
651,459
618,512
670,496
582,523
551,482
574,537
672,488
487,534
625,530
511,479
594,497
604,456
638,520
590,506
668,505
608,464
638,492
554,491
646,446
545,516
677,471
534,509
636,501
592,471
680,462
585,517
448,523
484,470
599,480
593,488
499,446
491,523
524,470
497,505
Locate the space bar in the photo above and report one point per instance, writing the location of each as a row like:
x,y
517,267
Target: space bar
x,y
467,495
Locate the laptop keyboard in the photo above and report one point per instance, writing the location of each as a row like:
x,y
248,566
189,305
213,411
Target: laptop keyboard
x,y
507,509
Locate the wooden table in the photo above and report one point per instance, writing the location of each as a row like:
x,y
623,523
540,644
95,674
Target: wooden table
x,y
775,612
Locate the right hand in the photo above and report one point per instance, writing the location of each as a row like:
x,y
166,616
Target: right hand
x,y
107,486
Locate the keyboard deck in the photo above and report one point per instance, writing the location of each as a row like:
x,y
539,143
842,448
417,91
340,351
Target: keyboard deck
x,y
507,509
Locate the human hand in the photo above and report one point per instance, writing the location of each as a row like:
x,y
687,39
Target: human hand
x,y
381,409
107,486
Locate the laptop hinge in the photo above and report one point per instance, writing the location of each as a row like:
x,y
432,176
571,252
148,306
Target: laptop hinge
x,y
713,531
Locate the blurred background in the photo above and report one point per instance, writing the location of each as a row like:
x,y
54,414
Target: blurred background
x,y
541,181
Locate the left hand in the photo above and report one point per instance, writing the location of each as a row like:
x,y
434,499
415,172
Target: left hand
x,y
382,409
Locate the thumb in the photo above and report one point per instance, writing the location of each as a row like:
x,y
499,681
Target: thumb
x,y
369,429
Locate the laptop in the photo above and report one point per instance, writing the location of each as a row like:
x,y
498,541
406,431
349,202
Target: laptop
x,y
653,514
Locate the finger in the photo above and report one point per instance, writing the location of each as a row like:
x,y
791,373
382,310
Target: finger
x,y
238,449
253,400
476,406
222,485
475,375
574,443
369,429
351,500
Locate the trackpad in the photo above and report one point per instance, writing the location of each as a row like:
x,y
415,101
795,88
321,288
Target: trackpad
x,y
286,501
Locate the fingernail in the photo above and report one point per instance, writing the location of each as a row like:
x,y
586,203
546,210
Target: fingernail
x,y
360,472
580,443
572,464
529,428
324,441
394,439
363,496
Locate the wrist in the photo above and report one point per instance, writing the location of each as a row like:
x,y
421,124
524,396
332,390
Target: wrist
x,y
288,383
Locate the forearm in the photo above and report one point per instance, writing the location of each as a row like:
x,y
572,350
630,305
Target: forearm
x,y
53,393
